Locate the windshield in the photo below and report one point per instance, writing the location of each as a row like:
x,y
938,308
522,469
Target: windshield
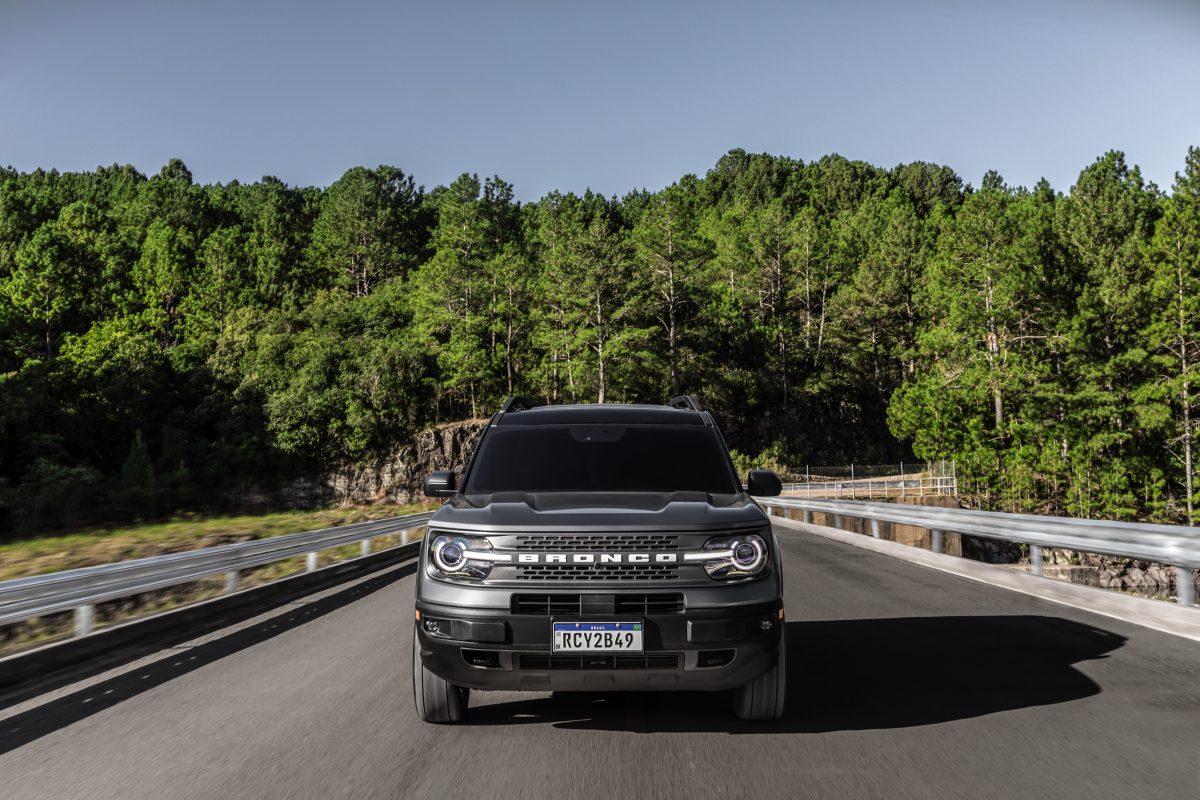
x,y
601,458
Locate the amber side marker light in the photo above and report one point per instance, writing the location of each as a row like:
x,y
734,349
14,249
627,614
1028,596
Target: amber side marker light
x,y
418,613
780,613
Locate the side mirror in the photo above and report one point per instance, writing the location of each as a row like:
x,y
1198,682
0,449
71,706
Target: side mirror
x,y
764,483
440,484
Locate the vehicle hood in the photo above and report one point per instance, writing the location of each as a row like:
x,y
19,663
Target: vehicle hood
x,y
598,511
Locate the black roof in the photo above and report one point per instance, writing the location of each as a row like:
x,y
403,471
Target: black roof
x,y
602,413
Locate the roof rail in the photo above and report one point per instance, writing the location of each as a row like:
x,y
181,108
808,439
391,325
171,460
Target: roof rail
x,y
517,404
686,402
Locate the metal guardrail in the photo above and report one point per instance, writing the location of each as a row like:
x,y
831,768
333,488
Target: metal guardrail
x,y
1173,545
81,589
875,487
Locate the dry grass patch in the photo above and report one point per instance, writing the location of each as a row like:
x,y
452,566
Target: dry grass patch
x,y
54,553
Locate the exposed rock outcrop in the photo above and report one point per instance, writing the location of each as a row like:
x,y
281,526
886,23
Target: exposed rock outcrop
x,y
398,477
394,478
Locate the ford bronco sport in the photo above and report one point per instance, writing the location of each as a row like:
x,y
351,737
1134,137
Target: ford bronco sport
x,y
599,547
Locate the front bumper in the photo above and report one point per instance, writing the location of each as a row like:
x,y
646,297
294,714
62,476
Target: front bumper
x,y
695,649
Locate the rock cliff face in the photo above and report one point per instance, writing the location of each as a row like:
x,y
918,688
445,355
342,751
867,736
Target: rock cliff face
x,y
395,478
398,477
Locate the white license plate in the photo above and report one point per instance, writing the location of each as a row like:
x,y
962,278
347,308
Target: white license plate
x,y
597,637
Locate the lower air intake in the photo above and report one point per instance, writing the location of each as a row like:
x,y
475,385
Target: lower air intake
x,y
581,662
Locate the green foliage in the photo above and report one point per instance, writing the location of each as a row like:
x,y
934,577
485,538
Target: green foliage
x,y
1166,403
775,457
365,232
138,491
668,256
51,494
470,293
165,345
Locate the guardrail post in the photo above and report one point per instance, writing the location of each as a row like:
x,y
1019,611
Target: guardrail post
x,y
875,529
935,543
85,619
1035,559
311,563
232,578
837,521
404,536
366,547
807,517
1185,587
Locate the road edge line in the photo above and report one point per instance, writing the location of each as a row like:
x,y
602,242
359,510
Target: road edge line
x,y
27,673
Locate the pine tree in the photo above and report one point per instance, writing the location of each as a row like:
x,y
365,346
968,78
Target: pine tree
x,y
1173,335
668,255
1104,225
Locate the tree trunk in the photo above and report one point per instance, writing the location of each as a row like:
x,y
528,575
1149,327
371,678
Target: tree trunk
x,y
1188,476
508,361
808,315
554,377
492,310
570,363
600,346
993,342
1185,390
783,366
671,334
600,398
821,322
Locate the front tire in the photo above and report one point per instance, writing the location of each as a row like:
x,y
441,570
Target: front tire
x,y
763,698
437,699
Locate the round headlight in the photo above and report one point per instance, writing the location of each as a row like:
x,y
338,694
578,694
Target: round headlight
x,y
749,554
448,556
735,556
452,556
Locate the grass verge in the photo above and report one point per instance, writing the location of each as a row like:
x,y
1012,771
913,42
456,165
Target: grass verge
x,y
41,555
54,553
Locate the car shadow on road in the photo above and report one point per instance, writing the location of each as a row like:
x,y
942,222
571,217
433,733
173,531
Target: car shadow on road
x,y
862,674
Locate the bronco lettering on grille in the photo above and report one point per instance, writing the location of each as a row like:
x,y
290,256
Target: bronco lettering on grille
x,y
597,558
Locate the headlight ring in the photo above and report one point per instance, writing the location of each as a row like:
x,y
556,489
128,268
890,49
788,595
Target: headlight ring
x,y
461,557
732,557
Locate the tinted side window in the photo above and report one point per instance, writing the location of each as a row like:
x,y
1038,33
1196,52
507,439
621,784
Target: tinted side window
x,y
601,458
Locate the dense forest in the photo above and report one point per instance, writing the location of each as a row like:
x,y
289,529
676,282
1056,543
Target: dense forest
x,y
163,342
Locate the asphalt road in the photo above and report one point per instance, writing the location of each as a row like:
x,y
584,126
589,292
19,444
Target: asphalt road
x,y
905,682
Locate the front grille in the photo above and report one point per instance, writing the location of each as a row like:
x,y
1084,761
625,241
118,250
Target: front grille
x,y
586,542
597,572
580,662
663,603
545,604
570,604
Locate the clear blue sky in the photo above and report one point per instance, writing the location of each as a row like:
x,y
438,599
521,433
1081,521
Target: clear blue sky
x,y
609,95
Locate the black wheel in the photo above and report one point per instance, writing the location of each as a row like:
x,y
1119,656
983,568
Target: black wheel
x,y
437,699
763,697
